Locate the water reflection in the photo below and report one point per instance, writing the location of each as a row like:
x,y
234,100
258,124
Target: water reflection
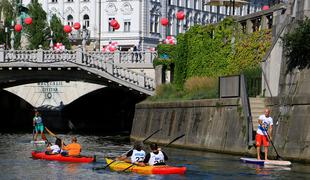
x,y
15,162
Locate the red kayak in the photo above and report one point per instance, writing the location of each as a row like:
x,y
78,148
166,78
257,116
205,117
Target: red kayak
x,y
59,157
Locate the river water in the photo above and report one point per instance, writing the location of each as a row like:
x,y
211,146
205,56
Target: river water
x,y
16,162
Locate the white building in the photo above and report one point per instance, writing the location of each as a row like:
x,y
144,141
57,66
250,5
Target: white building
x,y
139,19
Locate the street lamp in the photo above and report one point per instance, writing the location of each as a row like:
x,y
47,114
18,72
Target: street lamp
x,y
12,35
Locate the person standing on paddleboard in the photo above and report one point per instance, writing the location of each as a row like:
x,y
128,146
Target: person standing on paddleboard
x,y
38,125
265,124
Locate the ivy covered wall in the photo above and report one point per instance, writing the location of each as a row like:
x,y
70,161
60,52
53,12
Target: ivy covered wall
x,y
215,50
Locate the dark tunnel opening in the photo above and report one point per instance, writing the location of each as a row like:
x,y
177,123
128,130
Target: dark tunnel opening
x,y
104,111
16,113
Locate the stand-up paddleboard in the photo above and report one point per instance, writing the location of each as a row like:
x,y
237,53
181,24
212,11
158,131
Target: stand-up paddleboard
x,y
38,142
268,162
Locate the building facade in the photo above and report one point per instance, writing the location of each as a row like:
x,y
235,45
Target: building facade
x,y
139,19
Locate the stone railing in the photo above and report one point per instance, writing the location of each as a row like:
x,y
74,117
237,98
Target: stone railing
x,y
110,63
107,65
40,55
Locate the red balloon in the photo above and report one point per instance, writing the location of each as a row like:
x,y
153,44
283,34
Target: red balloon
x,y
266,7
180,15
164,21
67,29
18,27
113,23
77,26
117,27
28,20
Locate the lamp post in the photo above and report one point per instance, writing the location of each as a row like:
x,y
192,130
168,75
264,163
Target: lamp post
x,y
6,30
12,35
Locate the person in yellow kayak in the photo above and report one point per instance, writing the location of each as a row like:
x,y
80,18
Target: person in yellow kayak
x,y
156,157
136,155
38,126
72,149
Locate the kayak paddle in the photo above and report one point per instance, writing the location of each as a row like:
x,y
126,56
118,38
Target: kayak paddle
x,y
104,167
164,146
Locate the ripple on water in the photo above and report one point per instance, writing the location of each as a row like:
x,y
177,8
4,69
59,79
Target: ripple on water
x,y
16,162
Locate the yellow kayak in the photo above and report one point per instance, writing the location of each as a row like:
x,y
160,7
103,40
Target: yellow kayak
x,y
121,165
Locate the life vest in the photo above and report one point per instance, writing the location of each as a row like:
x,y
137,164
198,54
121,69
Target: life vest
x,y
137,156
156,158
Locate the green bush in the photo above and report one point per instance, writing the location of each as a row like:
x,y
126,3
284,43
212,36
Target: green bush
x,y
297,47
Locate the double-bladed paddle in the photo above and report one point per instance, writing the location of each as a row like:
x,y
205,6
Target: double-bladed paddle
x,y
104,167
164,146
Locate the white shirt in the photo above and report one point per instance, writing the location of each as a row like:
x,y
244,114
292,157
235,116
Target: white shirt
x,y
137,156
267,121
55,149
156,158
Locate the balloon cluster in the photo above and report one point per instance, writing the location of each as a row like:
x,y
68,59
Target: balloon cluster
x,y
111,47
114,24
59,47
68,28
170,40
19,27
180,16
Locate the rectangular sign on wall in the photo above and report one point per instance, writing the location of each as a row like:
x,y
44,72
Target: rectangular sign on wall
x,y
229,86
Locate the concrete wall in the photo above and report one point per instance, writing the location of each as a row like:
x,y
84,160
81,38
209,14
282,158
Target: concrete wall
x,y
291,116
214,125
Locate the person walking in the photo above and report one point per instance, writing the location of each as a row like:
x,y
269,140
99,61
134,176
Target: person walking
x,y
264,129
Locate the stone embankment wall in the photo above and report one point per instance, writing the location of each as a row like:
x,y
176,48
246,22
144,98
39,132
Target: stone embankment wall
x,y
219,126
214,125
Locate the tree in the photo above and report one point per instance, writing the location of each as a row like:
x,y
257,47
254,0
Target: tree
x,y
297,47
10,12
38,33
59,36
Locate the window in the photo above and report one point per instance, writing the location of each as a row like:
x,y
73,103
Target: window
x,y
195,4
53,1
85,21
187,4
156,24
151,24
70,20
70,0
169,2
127,26
111,29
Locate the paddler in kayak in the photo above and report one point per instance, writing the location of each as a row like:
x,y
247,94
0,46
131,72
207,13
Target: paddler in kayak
x,y
54,149
136,155
156,157
38,126
73,149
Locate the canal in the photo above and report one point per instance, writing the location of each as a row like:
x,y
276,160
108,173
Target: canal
x,y
16,162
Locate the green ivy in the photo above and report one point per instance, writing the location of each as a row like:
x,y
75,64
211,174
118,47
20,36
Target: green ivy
x,y
166,55
296,46
217,50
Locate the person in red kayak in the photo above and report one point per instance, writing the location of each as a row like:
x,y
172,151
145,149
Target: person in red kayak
x,y
38,126
54,149
73,149
135,155
156,157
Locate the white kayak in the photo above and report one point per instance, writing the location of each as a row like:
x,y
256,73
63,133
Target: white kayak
x,y
268,162
38,142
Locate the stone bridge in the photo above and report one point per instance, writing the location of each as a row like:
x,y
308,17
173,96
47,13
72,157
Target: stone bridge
x,y
118,69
